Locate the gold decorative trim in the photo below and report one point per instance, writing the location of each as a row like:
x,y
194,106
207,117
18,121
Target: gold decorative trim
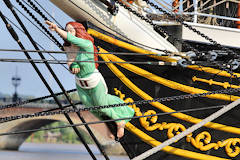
x,y
201,141
172,150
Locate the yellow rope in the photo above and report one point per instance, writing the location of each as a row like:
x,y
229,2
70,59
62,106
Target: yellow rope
x,y
162,107
169,83
211,82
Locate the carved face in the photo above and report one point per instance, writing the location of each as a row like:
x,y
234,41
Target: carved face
x,y
70,29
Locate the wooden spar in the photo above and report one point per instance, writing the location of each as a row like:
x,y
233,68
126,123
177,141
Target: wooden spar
x,y
238,15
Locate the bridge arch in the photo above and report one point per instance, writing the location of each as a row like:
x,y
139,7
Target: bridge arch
x,y
13,142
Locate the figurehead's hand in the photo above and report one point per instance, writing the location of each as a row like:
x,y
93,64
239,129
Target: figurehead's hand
x,y
52,26
74,68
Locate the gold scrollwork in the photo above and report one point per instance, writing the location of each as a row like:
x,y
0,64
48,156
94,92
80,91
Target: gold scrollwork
x,y
201,141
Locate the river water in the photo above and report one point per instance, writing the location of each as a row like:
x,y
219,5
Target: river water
x,y
35,151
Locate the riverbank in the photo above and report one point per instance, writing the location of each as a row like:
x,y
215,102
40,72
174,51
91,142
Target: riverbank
x,y
40,151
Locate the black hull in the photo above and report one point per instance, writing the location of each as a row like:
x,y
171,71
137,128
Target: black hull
x,y
133,144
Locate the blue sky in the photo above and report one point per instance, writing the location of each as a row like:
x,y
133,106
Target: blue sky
x,y
30,82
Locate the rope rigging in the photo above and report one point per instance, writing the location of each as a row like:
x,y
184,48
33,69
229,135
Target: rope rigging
x,y
38,11
45,113
236,64
140,102
47,35
34,7
9,5
155,26
116,53
34,42
44,17
40,24
43,32
153,6
160,63
62,88
232,64
15,37
65,61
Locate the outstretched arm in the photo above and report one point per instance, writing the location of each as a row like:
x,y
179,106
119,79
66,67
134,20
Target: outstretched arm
x,y
73,68
83,43
55,28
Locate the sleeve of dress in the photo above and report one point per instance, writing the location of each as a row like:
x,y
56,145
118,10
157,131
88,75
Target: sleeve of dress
x,y
70,55
82,43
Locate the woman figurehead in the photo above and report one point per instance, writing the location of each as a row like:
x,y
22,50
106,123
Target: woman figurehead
x,y
97,95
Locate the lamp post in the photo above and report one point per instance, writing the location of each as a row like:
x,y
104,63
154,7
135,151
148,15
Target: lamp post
x,y
15,82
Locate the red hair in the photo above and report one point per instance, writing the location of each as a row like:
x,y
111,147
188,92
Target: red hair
x,y
82,33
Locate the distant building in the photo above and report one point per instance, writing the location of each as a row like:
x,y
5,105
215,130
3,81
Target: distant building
x,y
1,95
5,98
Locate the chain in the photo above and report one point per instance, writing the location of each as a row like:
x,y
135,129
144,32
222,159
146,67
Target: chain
x,y
155,26
109,120
45,18
129,40
165,99
158,28
40,24
32,100
142,17
49,14
34,7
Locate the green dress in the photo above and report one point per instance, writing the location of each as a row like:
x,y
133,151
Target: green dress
x,y
98,95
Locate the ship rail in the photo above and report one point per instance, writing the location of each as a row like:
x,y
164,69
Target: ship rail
x,y
219,19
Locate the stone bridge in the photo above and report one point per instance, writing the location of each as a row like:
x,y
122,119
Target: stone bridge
x,y
13,142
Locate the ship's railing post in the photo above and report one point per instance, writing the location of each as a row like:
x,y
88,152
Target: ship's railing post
x,y
195,11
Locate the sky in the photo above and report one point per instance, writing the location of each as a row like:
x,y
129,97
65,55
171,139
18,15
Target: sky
x,y
31,84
